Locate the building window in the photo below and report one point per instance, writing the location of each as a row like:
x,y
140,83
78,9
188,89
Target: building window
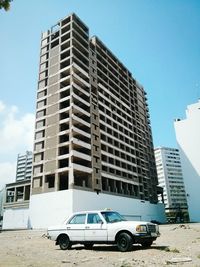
x,y
41,113
39,146
37,169
41,104
45,41
50,180
40,124
37,182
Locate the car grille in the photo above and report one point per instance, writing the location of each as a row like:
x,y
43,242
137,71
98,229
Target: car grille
x,y
151,228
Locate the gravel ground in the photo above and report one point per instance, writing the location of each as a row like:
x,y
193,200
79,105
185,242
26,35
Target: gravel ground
x,y
33,249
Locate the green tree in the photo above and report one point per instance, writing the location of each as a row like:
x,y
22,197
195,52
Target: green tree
x,y
5,4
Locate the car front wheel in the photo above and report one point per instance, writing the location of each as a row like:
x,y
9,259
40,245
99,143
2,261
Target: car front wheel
x,y
64,242
124,242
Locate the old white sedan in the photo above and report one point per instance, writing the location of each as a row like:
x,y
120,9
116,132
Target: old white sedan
x,y
102,227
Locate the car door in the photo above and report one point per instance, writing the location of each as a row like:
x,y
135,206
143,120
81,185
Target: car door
x,y
76,227
95,228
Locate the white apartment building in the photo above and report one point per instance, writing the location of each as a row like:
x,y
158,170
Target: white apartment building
x,y
24,166
170,177
188,139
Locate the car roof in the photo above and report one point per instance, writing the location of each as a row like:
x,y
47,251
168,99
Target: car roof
x,y
92,211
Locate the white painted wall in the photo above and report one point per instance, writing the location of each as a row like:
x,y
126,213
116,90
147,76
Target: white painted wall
x,y
16,218
188,139
53,208
83,200
50,208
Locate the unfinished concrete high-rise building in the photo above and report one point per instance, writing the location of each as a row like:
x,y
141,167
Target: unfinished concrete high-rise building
x,y
92,131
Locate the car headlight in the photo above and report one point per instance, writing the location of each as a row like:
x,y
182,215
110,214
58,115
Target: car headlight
x,y
141,228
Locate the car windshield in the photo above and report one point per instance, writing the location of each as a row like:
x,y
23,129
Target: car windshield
x,y
112,217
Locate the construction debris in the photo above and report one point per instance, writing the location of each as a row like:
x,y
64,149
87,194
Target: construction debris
x,y
178,260
181,226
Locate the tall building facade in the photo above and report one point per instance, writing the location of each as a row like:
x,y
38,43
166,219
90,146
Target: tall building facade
x,y
187,136
170,177
92,130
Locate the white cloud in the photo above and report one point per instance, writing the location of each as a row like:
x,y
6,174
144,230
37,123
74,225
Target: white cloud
x,y
2,106
7,173
16,132
16,136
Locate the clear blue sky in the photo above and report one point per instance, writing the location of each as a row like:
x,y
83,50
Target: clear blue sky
x,y
158,40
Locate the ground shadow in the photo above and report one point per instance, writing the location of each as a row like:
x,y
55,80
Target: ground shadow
x,y
113,248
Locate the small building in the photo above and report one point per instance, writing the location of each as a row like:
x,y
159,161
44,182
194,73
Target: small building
x,y
17,195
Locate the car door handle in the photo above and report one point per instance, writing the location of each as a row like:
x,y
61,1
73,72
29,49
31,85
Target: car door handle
x,y
87,227
68,228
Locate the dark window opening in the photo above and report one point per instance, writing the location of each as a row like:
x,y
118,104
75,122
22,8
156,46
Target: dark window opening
x,y
63,163
50,180
82,179
63,181
63,150
63,138
27,192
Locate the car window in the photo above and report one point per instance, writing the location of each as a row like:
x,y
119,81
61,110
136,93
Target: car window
x,y
112,217
93,218
78,219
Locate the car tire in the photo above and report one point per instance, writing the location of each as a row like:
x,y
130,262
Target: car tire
x,y
147,244
124,242
88,245
64,242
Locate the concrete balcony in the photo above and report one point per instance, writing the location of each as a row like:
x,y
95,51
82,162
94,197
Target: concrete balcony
x,y
80,143
81,168
80,121
80,155
79,131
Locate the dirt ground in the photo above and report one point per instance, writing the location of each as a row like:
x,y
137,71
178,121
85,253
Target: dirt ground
x,y
178,245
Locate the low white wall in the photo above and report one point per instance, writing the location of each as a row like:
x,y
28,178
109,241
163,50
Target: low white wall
x,y
83,200
50,208
15,218
53,208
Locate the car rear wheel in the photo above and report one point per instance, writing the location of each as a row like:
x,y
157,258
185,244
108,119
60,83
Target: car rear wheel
x,y
124,242
64,242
